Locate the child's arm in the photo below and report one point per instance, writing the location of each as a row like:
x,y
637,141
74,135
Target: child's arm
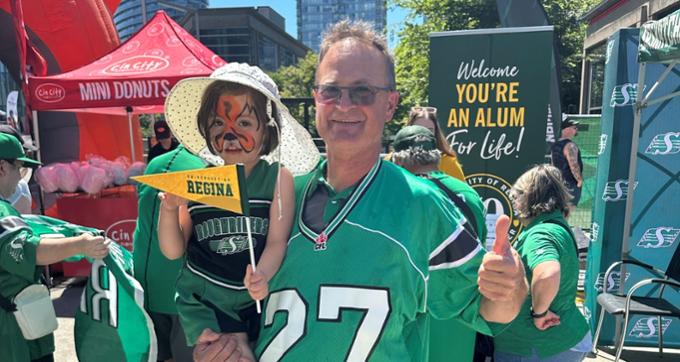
x,y
174,225
277,238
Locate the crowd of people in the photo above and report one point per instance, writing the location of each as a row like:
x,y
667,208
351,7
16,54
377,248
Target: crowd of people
x,y
356,256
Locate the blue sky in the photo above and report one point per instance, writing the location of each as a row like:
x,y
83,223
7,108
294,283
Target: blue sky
x,y
287,8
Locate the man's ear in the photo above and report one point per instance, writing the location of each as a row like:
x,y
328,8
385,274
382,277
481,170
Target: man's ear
x,y
392,103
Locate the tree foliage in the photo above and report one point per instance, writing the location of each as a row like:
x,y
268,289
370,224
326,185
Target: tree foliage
x,y
296,81
426,16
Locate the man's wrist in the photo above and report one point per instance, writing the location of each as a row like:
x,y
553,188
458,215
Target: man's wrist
x,y
536,315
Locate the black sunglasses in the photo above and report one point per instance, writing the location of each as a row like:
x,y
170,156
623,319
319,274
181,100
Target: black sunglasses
x,y
359,95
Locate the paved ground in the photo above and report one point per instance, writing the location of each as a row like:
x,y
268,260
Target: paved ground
x,y
66,298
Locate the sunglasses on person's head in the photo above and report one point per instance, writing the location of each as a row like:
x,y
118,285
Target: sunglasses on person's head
x,y
359,95
426,109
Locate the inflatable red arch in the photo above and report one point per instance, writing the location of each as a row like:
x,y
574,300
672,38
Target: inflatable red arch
x,y
70,34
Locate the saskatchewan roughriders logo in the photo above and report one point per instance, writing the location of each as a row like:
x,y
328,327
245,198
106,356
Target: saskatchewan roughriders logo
x,y
230,245
659,237
648,327
664,144
495,193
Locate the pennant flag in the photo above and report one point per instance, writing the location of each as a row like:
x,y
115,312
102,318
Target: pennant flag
x,y
221,187
111,324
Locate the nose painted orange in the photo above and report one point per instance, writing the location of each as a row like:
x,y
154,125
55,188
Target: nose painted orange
x,y
229,109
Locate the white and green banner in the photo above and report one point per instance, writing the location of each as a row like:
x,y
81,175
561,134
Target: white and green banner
x,y
660,40
111,324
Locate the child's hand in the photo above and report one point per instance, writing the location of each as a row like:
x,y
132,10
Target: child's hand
x,y
256,282
171,202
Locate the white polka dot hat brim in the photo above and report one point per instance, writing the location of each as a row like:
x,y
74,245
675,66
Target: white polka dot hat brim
x,y
296,150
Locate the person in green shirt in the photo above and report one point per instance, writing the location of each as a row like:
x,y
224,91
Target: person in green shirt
x,y
155,272
415,149
549,327
22,253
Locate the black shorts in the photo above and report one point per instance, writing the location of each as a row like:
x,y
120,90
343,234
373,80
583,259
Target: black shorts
x,y
170,338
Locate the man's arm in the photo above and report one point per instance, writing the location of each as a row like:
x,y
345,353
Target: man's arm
x,y
571,153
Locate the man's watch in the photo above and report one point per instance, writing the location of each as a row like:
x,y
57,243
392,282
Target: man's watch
x,y
538,315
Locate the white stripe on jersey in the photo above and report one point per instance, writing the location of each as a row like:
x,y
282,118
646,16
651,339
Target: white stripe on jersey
x,y
408,255
458,262
214,281
459,229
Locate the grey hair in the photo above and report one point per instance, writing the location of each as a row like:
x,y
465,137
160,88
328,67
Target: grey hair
x,y
540,190
361,31
416,156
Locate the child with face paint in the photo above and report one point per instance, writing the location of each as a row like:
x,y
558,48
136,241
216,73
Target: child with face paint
x,y
216,287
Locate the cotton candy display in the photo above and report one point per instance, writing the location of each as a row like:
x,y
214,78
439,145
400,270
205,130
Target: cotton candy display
x,y
91,176
93,181
47,178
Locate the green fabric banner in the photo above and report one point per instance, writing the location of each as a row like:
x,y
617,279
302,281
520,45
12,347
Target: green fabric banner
x,y
660,40
655,222
491,88
618,99
111,324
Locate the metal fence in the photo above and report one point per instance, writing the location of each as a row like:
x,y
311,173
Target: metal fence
x,y
588,141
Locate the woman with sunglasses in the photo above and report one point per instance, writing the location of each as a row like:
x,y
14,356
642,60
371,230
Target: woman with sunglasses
x,y
427,117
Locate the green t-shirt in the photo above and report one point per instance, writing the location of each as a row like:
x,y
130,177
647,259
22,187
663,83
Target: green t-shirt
x,y
155,272
18,269
395,251
544,240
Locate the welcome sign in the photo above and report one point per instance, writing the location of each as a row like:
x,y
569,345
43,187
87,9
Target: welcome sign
x,y
491,88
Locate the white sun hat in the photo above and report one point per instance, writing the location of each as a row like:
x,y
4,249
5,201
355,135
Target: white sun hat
x,y
296,150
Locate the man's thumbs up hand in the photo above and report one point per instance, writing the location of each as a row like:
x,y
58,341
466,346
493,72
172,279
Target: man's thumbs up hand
x,y
501,245
501,275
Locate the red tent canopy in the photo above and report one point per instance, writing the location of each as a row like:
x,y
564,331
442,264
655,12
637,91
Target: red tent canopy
x,y
136,76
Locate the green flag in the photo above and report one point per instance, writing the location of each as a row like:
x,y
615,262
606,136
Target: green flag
x,y
111,324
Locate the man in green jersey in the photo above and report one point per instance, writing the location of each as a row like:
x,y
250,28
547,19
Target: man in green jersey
x,y
374,249
155,272
22,253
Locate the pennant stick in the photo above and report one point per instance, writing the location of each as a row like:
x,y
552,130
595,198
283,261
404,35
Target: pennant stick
x,y
252,257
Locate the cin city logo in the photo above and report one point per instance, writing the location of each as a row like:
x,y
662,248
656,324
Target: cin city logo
x,y
594,232
659,237
624,95
648,327
613,282
616,190
664,144
603,144
50,92
139,64
121,231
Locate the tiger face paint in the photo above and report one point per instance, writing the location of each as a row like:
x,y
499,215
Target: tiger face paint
x,y
235,126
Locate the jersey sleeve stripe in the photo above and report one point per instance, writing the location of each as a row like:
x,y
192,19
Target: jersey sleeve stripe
x,y
10,224
455,250
459,229
456,263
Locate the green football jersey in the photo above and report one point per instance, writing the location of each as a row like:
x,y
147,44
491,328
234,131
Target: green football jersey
x,y
156,273
18,269
361,289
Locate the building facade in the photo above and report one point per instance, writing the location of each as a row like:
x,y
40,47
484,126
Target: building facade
x,y
131,15
603,21
314,16
253,35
